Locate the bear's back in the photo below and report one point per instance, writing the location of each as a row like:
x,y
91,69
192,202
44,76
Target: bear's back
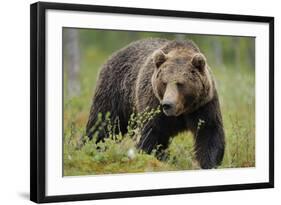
x,y
134,54
121,69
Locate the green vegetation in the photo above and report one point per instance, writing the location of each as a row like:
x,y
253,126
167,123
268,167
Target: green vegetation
x,y
232,62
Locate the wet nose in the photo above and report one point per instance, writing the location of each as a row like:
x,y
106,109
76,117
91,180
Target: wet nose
x,y
167,105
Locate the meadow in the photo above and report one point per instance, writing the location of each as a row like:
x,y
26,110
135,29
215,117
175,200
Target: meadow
x,y
236,88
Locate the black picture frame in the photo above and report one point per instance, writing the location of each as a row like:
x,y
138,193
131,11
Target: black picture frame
x,y
38,100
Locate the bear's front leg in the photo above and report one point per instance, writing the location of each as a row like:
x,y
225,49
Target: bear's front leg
x,y
207,127
153,137
157,133
209,145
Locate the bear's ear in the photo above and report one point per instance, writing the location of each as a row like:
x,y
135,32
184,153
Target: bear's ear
x,y
199,61
159,58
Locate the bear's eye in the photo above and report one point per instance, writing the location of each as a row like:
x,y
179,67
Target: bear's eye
x,y
193,71
164,84
179,84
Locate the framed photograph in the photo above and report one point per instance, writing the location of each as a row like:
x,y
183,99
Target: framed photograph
x,y
129,102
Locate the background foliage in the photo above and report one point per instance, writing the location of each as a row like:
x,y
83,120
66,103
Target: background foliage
x,y
232,61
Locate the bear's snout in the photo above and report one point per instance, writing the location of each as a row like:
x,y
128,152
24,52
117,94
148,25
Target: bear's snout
x,y
168,108
167,105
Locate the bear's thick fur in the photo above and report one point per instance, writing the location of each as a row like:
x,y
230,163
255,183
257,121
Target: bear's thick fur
x,y
173,74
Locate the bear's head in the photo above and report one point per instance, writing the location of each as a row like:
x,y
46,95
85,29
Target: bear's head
x,y
181,81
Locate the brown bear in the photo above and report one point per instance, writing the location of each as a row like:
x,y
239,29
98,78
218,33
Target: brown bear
x,y
173,74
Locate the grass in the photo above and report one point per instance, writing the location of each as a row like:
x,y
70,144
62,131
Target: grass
x,y
236,89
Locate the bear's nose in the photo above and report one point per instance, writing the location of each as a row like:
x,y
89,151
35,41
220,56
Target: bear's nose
x,y
167,105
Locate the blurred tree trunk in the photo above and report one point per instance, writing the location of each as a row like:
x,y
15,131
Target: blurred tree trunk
x,y
72,53
180,37
237,55
252,55
218,53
